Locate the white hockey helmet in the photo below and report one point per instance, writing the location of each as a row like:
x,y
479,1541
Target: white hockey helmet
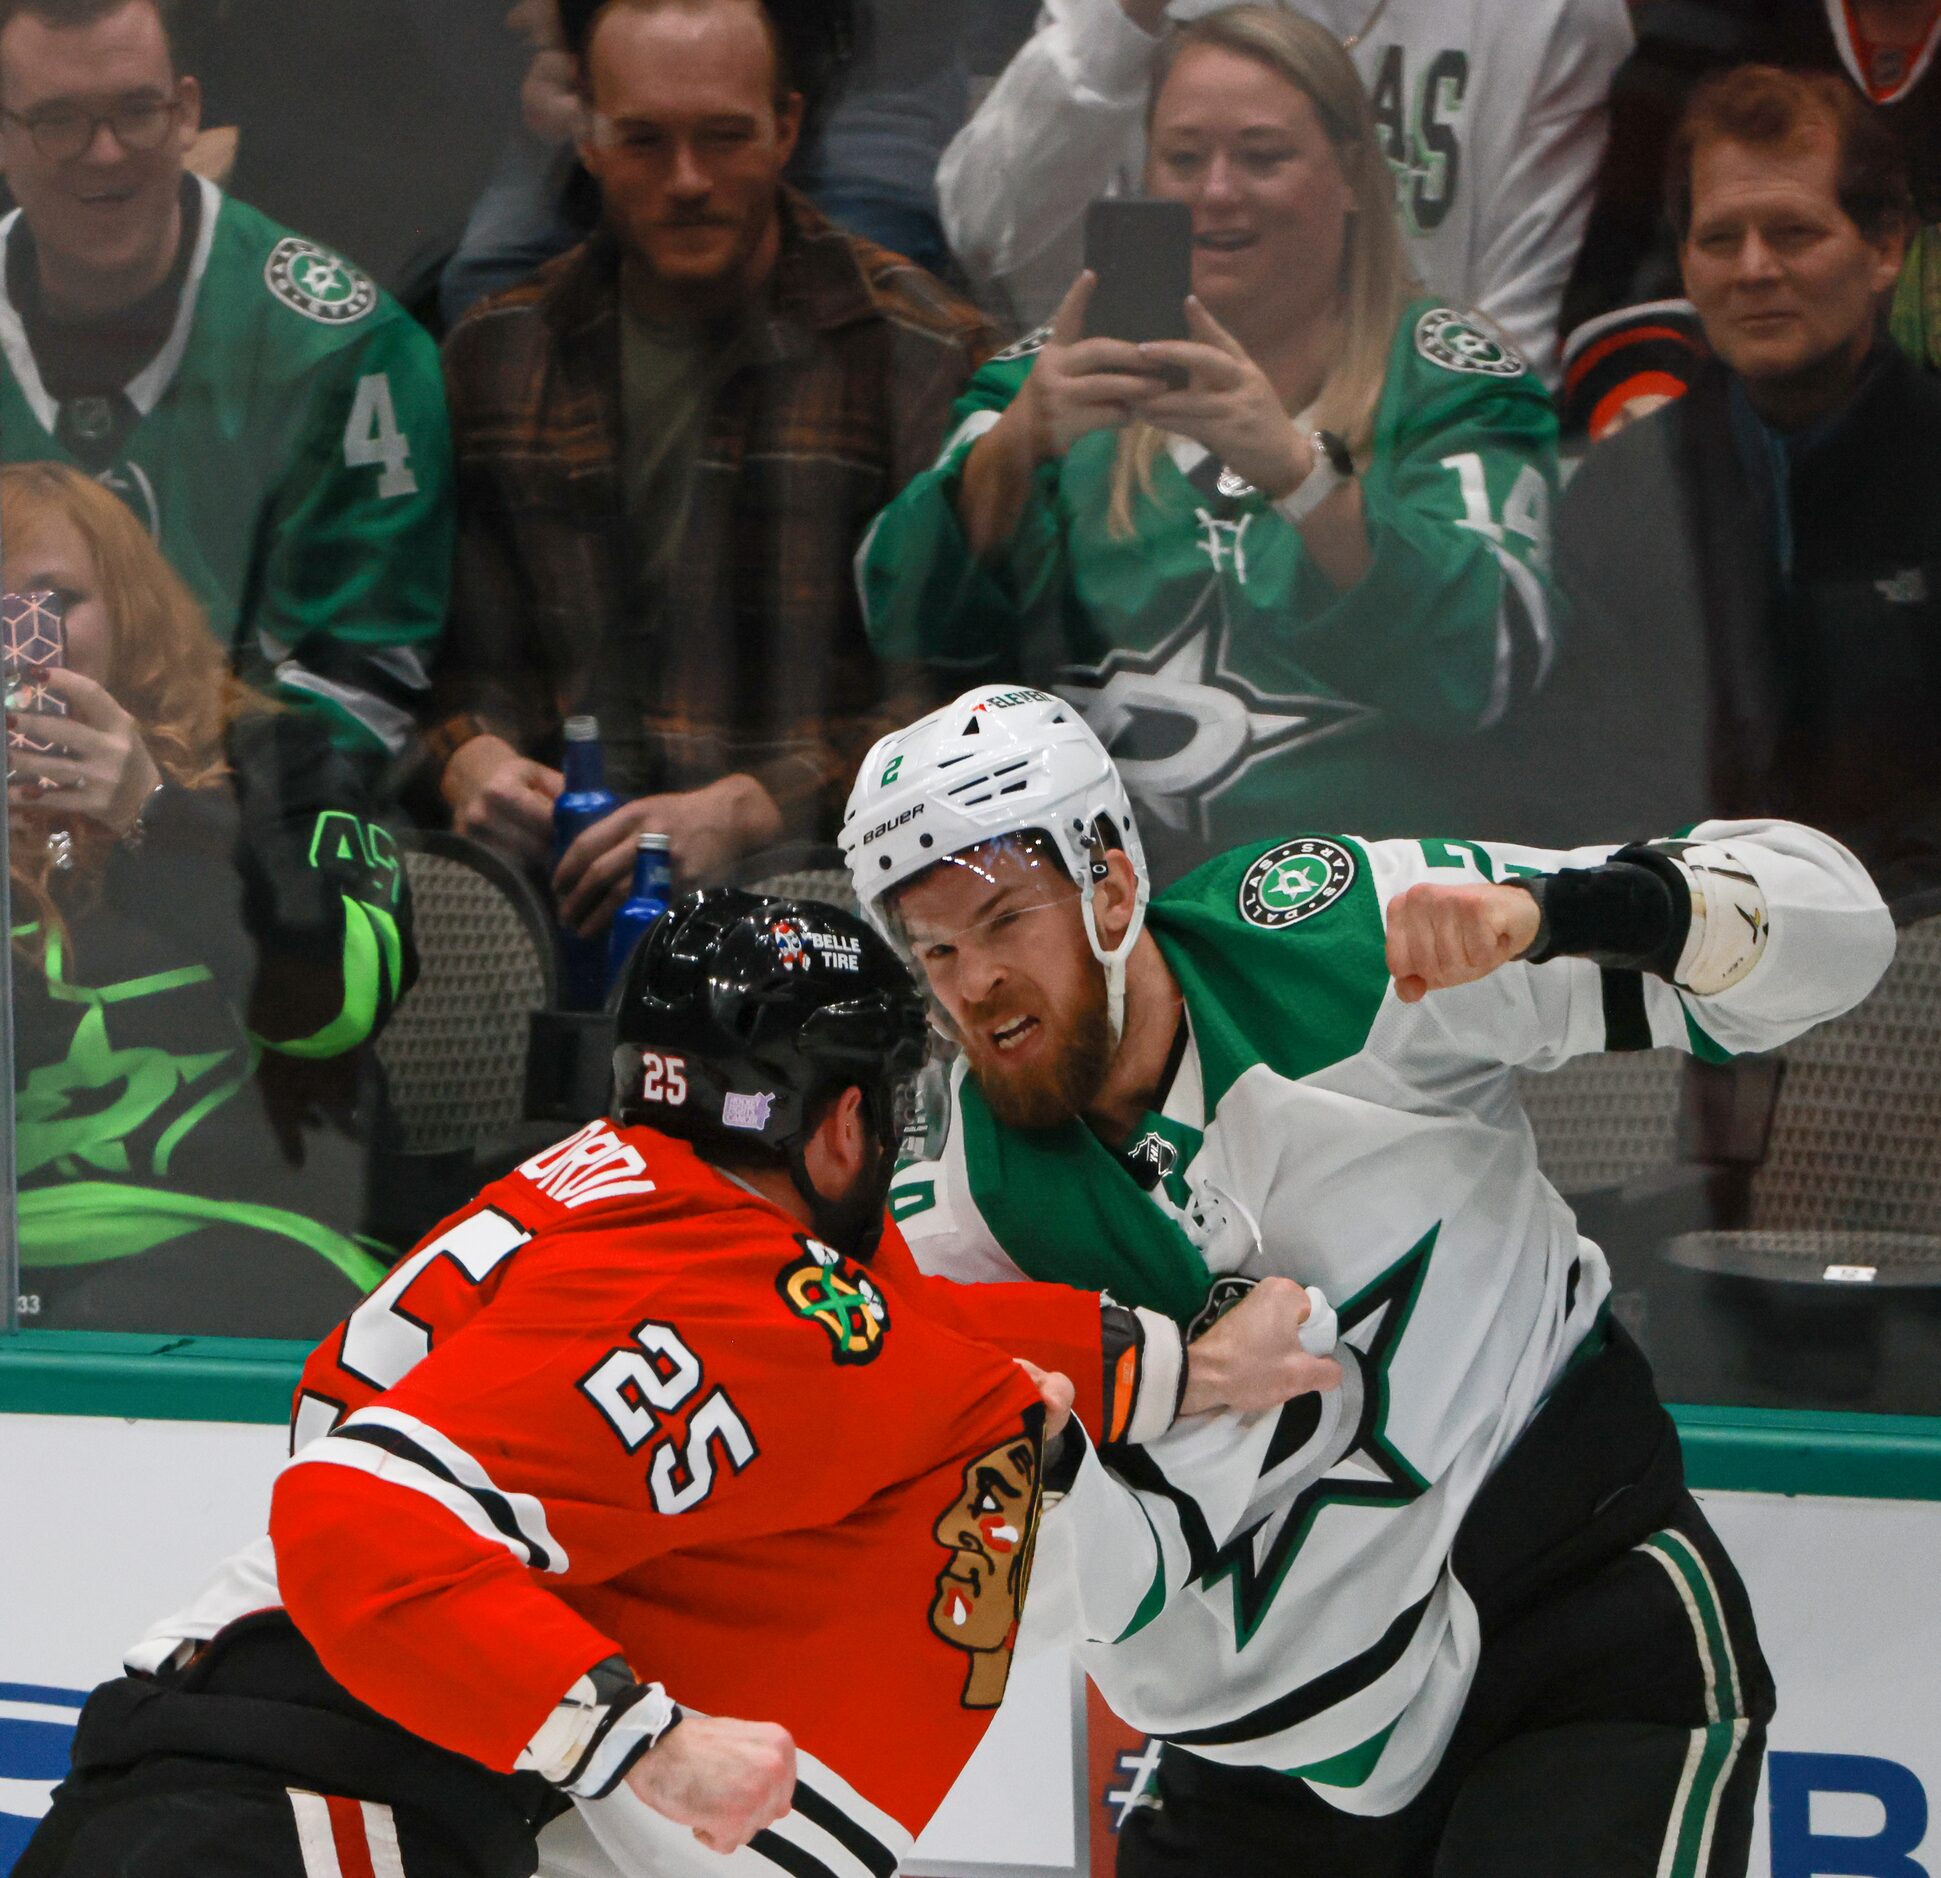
x,y
998,761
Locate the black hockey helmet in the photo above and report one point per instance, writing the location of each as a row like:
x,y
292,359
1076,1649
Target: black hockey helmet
x,y
740,1013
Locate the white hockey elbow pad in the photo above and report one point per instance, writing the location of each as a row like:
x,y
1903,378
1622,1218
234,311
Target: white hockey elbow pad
x,y
1730,923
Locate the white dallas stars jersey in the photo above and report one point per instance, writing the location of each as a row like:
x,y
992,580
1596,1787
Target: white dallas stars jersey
x,y
1276,1590
1492,113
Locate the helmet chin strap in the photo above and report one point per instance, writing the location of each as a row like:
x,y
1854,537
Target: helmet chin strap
x,y
854,1224
1114,960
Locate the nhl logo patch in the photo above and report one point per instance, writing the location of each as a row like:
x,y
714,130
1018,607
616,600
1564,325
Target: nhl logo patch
x,y
1295,881
1450,338
318,284
818,1288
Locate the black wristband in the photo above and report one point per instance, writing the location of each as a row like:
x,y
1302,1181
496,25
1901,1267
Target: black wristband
x,y
1631,914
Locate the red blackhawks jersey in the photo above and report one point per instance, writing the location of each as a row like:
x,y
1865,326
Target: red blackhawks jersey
x,y
622,1405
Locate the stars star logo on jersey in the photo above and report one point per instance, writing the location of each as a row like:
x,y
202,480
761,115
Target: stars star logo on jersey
x,y
823,1288
1184,729
1294,881
1369,1471
1454,341
318,284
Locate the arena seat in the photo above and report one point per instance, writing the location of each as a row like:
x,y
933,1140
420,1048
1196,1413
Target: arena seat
x,y
1851,1177
455,1052
800,870
1603,1121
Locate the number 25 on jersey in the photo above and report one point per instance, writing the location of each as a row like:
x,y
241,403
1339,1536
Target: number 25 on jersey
x,y
636,1388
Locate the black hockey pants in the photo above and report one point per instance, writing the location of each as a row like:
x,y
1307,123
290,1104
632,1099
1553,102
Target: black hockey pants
x,y
1617,1720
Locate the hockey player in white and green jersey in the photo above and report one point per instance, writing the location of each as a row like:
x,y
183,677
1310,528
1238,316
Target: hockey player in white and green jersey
x,y
1460,1615
285,442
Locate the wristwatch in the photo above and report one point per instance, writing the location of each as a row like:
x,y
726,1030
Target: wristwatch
x,y
1334,464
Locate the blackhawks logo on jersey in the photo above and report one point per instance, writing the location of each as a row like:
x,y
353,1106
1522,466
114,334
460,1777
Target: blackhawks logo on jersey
x,y
843,1301
318,284
989,1531
1294,881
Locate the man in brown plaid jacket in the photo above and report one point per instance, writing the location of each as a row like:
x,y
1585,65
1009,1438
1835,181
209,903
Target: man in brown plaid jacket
x,y
670,444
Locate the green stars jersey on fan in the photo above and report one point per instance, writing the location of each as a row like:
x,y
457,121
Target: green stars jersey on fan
x,y
1238,691
1276,1590
289,450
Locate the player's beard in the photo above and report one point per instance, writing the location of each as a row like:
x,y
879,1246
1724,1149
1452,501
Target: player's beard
x,y
1065,1083
853,1224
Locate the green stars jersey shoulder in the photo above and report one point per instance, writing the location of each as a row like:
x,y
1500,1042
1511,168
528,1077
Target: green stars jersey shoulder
x,y
1281,1595
1238,690
288,449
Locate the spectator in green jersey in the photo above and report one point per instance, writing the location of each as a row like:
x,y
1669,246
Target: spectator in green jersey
x,y
275,420
1293,591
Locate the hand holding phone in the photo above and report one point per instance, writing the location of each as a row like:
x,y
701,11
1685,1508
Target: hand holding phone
x,y
1141,249
35,642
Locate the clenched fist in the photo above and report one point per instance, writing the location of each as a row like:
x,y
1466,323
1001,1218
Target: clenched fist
x,y
726,1779
1442,936
1252,1358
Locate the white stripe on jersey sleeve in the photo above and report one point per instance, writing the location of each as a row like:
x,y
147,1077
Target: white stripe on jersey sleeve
x,y
442,1471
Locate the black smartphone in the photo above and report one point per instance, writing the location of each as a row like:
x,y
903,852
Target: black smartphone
x,y
34,626
1142,251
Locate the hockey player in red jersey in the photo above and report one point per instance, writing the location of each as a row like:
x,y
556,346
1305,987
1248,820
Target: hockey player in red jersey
x,y
654,1434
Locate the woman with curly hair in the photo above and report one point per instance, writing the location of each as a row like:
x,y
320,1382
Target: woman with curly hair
x,y
207,928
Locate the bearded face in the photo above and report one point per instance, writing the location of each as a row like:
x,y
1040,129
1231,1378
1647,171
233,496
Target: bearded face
x,y
999,935
1040,1060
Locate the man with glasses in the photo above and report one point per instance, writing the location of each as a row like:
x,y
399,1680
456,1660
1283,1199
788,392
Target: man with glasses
x,y
671,441
275,420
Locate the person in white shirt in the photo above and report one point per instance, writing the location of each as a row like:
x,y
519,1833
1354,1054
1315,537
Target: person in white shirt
x,y
1492,113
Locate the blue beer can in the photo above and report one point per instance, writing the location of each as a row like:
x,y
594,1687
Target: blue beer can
x,y
652,889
